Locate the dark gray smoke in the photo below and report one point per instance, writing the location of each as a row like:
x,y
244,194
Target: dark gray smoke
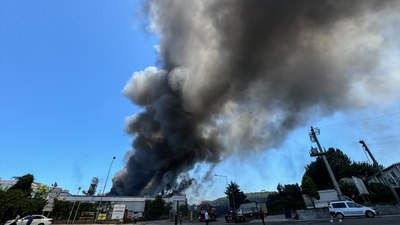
x,y
239,75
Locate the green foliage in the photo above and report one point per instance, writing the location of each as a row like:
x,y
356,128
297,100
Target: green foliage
x,y
17,199
275,204
236,196
379,193
350,190
62,209
24,184
341,166
309,189
362,169
288,197
339,163
155,209
292,194
184,209
41,191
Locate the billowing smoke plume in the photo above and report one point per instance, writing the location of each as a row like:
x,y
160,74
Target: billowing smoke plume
x,y
239,75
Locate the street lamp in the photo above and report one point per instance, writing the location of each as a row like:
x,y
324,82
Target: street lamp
x,y
226,180
73,205
77,209
104,188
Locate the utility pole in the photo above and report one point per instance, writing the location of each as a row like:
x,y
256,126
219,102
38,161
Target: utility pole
x,y
73,205
226,181
322,153
104,188
376,165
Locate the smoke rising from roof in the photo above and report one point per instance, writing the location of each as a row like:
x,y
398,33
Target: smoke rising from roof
x,y
238,76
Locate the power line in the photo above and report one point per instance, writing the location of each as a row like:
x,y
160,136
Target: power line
x,y
364,120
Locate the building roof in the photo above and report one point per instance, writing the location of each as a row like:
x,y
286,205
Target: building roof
x,y
393,165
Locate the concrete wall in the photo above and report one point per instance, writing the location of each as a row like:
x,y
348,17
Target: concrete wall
x,y
387,209
308,214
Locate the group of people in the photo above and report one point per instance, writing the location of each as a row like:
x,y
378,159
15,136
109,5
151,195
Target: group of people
x,y
28,222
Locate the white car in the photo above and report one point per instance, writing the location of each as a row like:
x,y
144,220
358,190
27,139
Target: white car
x,y
349,208
37,220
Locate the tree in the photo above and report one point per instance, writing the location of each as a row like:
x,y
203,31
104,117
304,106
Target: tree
x,y
41,191
379,193
154,209
288,197
292,194
349,189
274,203
309,189
18,199
24,184
236,196
184,209
362,169
341,165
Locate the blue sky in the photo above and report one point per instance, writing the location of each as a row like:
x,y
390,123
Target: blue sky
x,y
63,65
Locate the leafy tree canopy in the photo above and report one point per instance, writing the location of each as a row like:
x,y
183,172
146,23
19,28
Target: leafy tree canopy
x,y
341,165
155,209
236,196
308,187
24,184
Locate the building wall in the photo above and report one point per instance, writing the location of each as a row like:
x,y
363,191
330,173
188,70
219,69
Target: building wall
x,y
135,204
393,175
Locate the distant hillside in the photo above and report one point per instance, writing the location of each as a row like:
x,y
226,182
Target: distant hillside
x,y
252,196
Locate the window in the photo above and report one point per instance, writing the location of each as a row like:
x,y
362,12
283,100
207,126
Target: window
x,y
352,205
393,174
339,205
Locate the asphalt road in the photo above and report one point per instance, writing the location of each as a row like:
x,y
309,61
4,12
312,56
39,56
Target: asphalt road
x,y
381,220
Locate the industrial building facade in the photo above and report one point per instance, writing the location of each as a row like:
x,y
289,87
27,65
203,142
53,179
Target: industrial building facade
x,y
134,206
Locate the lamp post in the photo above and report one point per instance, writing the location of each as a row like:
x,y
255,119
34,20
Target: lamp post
x,y
226,180
104,188
77,209
73,205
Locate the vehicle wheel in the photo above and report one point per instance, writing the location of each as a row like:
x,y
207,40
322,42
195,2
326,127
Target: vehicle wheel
x,y
41,224
369,214
340,216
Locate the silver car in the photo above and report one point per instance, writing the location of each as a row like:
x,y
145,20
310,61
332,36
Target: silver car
x,y
349,208
37,220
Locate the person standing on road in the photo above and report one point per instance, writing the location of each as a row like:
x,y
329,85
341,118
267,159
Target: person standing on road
x,y
262,216
206,217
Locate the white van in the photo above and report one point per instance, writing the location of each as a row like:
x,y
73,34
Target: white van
x,y
349,208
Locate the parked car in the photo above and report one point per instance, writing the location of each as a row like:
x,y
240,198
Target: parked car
x,y
37,220
349,208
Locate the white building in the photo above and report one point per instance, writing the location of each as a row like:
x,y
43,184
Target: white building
x,y
392,175
133,205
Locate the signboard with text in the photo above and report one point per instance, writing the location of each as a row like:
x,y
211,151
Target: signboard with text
x,y
102,216
118,212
